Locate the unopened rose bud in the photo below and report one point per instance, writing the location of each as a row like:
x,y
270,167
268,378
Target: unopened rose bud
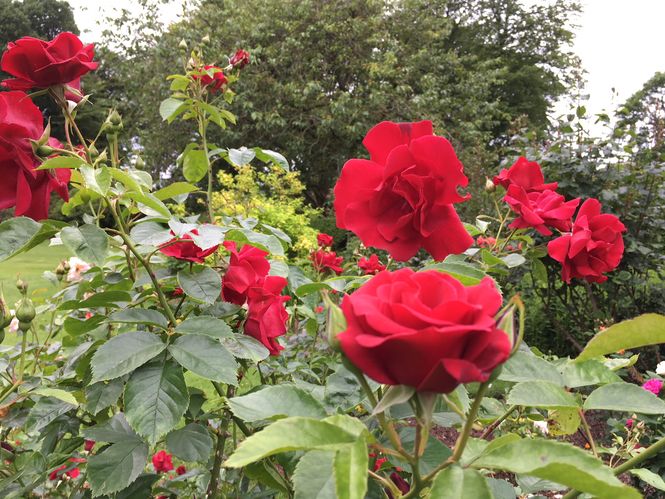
x,y
22,286
25,312
240,59
94,152
139,163
336,323
183,44
44,151
489,185
205,39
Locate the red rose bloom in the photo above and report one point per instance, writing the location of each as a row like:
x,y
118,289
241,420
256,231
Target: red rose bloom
x,y
401,199
540,209
162,462
89,445
322,260
22,186
594,247
266,314
324,240
38,64
180,470
247,267
486,242
214,82
371,265
184,248
240,59
424,329
57,473
525,174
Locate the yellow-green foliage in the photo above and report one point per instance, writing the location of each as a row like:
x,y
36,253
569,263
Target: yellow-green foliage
x,y
273,196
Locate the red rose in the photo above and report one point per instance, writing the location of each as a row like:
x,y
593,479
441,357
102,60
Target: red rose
x,y
594,247
39,64
240,59
371,265
22,186
56,474
322,260
247,267
162,462
266,314
324,240
424,329
539,209
180,470
486,242
184,248
401,199
89,445
525,174
214,82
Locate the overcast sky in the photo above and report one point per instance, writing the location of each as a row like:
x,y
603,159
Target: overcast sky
x,y
621,42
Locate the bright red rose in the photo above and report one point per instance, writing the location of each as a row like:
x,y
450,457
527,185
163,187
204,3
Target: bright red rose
x,y
247,267
540,209
594,247
89,445
180,470
214,82
322,260
38,64
266,314
184,248
525,174
401,199
162,462
324,240
57,473
424,329
240,59
22,186
371,265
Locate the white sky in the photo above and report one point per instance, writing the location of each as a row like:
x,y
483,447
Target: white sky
x,y
621,42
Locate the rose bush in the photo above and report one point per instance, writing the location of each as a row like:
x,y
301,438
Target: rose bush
x,y
189,356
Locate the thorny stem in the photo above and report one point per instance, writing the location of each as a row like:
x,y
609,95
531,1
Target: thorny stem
x,y
495,424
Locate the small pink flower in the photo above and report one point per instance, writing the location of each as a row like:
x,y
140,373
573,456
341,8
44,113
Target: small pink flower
x,y
76,268
629,423
653,385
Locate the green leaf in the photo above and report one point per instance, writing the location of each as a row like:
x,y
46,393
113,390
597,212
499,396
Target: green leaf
x,y
624,397
15,233
350,467
106,299
564,421
540,394
76,327
457,483
56,393
170,108
156,398
275,402
647,329
588,372
124,353
206,357
245,347
139,316
268,156
242,156
150,233
116,467
114,430
513,260
649,477
45,411
396,394
68,162
288,435
195,165
88,242
559,462
523,366
174,190
98,180
126,179
191,443
149,203
465,273
205,325
203,284
313,477
102,395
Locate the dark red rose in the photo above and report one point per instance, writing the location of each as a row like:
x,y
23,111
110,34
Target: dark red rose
x,y
594,247
184,248
23,186
324,240
180,470
424,329
322,260
371,265
89,445
402,484
525,174
214,82
401,199
540,209
38,64
247,267
266,314
57,473
162,461
177,292
240,59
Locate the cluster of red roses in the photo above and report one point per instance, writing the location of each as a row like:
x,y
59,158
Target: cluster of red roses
x,y
323,259
58,65
589,247
246,280
163,463
213,77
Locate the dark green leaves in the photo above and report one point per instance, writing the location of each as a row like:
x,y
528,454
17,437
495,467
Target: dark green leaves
x,y
16,233
206,357
140,316
156,398
101,395
205,325
45,411
191,443
124,353
203,284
